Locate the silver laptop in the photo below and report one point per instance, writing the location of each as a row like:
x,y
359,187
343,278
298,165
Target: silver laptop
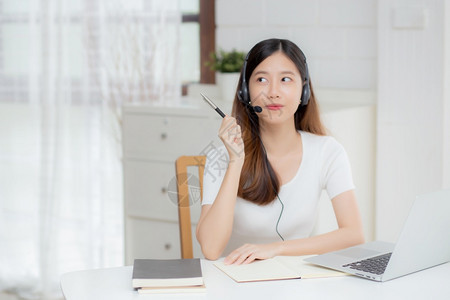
x,y
423,243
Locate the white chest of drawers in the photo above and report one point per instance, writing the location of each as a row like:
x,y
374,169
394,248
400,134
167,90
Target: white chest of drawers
x,y
153,138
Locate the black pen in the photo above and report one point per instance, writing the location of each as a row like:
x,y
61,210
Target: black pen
x,y
213,105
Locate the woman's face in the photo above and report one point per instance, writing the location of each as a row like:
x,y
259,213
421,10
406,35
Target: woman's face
x,y
276,86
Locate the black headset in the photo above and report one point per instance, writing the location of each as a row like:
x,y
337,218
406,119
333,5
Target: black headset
x,y
244,95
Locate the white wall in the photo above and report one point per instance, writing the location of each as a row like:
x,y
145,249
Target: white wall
x,y
338,37
446,135
412,110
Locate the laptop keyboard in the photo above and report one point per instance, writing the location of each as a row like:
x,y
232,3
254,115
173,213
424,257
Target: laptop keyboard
x,y
374,265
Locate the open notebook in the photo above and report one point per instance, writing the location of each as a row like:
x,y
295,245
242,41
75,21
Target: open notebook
x,y
277,268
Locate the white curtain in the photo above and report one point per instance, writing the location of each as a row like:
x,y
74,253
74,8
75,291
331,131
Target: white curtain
x,y
66,67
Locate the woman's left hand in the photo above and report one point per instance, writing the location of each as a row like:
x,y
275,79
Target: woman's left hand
x,y
250,252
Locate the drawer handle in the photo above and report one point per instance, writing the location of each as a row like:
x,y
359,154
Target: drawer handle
x,y
167,246
163,136
164,190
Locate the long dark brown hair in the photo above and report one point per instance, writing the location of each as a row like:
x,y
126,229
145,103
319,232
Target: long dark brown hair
x,y
259,182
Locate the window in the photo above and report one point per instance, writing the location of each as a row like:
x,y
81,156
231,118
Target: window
x,y
190,41
18,41
197,41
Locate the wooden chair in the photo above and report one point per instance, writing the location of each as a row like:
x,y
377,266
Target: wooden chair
x,y
184,209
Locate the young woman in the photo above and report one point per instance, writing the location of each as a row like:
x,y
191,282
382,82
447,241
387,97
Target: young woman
x,y
263,201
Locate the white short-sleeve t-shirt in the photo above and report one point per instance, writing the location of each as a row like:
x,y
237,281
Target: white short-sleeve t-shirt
x,y
324,165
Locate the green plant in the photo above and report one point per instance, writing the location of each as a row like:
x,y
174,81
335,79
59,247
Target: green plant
x,y
226,61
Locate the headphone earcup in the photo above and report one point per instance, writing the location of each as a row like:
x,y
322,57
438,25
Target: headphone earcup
x,y
306,94
243,93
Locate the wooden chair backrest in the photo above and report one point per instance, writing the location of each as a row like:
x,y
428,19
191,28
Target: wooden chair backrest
x,y
184,195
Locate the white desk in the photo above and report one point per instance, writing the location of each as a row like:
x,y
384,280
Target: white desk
x,y
115,283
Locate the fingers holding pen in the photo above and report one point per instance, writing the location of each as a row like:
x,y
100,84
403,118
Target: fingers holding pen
x,y
231,135
230,131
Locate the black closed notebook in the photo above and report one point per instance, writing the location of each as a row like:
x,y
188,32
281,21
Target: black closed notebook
x,y
167,273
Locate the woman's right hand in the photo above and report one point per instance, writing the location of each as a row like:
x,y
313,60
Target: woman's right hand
x,y
230,134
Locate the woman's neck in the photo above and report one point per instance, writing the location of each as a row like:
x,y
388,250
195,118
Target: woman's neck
x,y
280,139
